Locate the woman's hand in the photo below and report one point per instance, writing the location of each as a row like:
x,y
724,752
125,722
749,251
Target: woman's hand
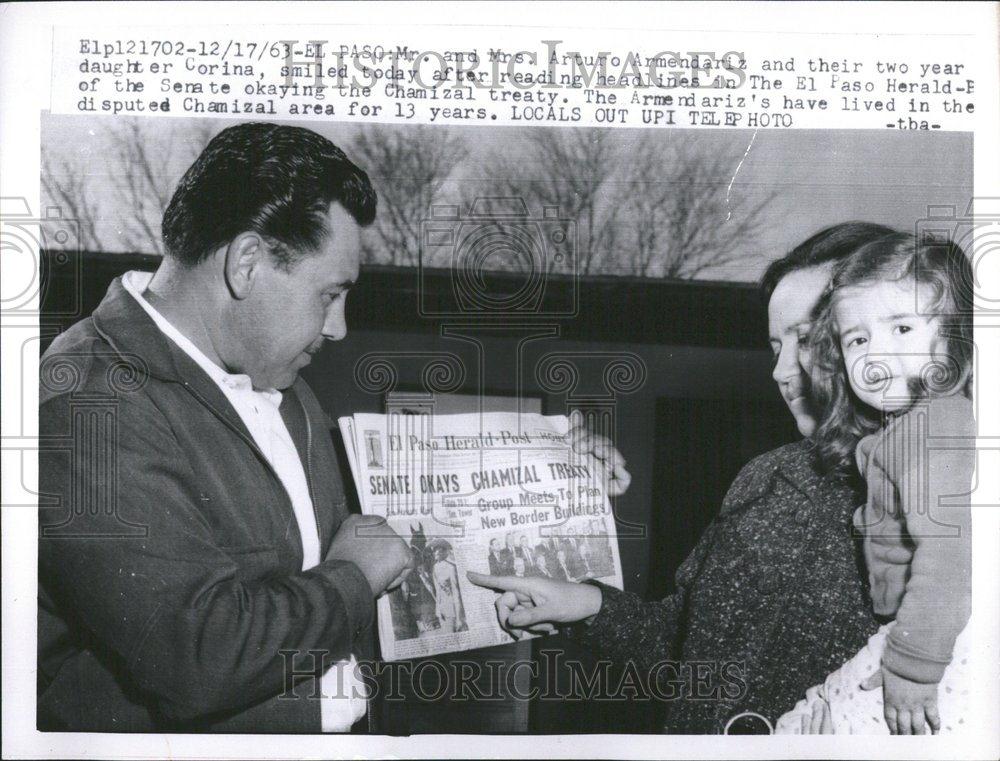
x,y
585,441
535,604
819,721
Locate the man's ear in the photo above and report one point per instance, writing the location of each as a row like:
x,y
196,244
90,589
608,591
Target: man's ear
x,y
244,257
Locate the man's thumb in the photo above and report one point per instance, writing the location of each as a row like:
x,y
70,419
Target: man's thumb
x,y
872,681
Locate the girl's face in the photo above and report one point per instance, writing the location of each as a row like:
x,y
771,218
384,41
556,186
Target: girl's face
x,y
888,338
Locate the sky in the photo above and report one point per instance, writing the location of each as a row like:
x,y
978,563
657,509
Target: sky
x,y
823,177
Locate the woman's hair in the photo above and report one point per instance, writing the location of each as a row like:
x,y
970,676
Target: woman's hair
x,y
939,264
830,244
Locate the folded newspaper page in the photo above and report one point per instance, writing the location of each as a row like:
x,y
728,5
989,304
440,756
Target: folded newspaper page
x,y
497,493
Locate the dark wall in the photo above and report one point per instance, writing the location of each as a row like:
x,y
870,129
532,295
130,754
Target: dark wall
x,y
687,341
678,372
737,376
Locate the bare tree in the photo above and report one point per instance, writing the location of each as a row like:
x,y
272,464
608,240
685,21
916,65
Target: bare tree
x,y
142,185
662,205
657,206
408,168
576,171
649,194
687,217
149,165
65,186
143,166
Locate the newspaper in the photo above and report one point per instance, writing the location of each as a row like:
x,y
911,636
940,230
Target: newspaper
x,y
853,111
498,493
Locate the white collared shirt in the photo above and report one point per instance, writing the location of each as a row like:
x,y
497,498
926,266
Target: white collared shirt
x,y
259,411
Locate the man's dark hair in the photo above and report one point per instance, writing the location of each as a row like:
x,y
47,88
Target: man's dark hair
x,y
828,245
278,181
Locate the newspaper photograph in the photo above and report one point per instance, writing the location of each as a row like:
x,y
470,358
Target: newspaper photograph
x,y
496,493
493,379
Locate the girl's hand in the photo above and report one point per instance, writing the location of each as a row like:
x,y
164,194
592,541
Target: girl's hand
x,y
910,707
535,604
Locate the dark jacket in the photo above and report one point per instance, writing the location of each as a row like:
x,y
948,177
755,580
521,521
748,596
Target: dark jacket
x,y
171,594
498,564
767,604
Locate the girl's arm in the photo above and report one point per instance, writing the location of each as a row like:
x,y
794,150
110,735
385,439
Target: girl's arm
x,y
930,461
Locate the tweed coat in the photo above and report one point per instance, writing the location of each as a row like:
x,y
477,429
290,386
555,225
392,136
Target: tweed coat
x,y
769,602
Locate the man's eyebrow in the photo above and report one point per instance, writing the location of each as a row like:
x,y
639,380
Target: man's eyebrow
x,y
343,284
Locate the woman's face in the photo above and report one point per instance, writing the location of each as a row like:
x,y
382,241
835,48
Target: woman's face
x,y
788,314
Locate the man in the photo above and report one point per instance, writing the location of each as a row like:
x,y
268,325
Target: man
x,y
542,564
586,569
519,569
497,565
220,557
562,570
507,553
523,551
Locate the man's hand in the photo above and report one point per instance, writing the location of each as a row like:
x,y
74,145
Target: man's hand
x,y
535,604
585,441
378,551
910,707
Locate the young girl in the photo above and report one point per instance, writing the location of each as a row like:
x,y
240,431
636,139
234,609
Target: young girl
x,y
891,348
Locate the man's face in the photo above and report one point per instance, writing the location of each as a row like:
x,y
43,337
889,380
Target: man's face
x,y
495,545
291,313
788,314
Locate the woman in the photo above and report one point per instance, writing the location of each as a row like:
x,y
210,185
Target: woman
x,y
770,598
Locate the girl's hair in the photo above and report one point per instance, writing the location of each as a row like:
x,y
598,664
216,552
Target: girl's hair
x,y
939,264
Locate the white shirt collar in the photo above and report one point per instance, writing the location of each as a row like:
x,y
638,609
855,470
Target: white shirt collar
x,y
135,283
